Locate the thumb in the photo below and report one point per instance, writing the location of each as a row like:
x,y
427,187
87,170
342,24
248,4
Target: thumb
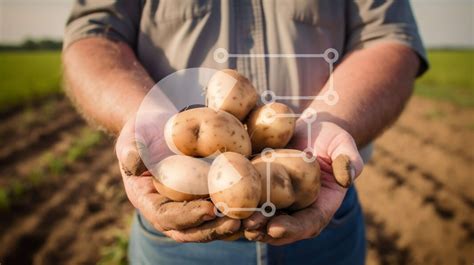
x,y
347,163
338,144
127,151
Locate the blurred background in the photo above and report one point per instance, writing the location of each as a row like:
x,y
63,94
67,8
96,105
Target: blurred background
x,y
61,197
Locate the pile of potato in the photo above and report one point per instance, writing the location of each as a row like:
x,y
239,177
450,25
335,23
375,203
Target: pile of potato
x,y
213,146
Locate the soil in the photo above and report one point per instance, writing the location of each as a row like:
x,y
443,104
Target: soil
x,y
417,191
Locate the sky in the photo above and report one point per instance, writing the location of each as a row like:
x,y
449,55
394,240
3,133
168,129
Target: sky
x,y
443,23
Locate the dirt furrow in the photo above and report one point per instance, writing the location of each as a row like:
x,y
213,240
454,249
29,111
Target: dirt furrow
x,y
451,171
411,222
96,215
29,232
444,125
448,205
21,122
433,113
451,146
382,247
38,140
25,166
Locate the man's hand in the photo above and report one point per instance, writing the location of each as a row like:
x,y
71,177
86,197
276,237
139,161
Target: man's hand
x,y
193,221
329,142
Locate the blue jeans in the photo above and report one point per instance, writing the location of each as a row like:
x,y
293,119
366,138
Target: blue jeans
x,y
341,242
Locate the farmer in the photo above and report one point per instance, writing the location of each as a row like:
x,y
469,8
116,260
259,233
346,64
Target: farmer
x,y
115,51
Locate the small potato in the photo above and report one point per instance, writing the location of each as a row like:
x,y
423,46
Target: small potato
x,y
295,183
181,178
266,129
232,92
202,132
234,183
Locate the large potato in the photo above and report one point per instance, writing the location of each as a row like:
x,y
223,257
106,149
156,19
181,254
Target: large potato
x,y
230,91
267,129
303,186
234,183
182,178
202,132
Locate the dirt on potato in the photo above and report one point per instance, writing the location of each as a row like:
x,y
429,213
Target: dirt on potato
x,y
417,191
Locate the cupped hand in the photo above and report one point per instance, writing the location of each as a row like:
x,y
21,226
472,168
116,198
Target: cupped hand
x,y
193,221
328,141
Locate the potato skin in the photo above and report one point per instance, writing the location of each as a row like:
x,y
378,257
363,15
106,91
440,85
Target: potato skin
x,y
282,194
231,92
305,181
181,183
202,132
235,182
270,132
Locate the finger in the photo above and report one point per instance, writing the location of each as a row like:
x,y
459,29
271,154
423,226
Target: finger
x,y
184,215
163,213
235,236
307,223
127,150
216,229
255,221
344,150
284,226
257,235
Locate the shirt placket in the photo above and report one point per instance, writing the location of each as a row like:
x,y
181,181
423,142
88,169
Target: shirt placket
x,y
250,42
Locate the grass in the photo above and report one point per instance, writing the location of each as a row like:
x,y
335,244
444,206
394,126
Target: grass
x,y
82,145
26,76
115,254
450,78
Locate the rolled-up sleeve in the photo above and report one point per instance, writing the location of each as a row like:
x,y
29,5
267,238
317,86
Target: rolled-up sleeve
x,y
114,19
371,21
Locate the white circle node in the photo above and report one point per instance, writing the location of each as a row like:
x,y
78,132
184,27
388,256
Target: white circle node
x,y
268,155
309,156
221,209
310,115
221,55
268,209
268,97
331,97
331,55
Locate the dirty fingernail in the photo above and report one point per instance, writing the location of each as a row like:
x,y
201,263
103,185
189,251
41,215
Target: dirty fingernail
x,y
343,171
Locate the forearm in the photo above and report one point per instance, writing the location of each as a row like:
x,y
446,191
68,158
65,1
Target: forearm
x,y
373,85
105,81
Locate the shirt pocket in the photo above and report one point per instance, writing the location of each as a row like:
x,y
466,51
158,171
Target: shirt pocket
x,y
181,10
309,12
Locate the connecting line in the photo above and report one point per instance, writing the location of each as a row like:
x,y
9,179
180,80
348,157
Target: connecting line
x,y
319,97
275,55
308,136
287,115
268,181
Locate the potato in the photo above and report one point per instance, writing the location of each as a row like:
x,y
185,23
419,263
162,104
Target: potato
x,y
182,183
303,186
202,132
234,183
232,92
268,130
281,189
